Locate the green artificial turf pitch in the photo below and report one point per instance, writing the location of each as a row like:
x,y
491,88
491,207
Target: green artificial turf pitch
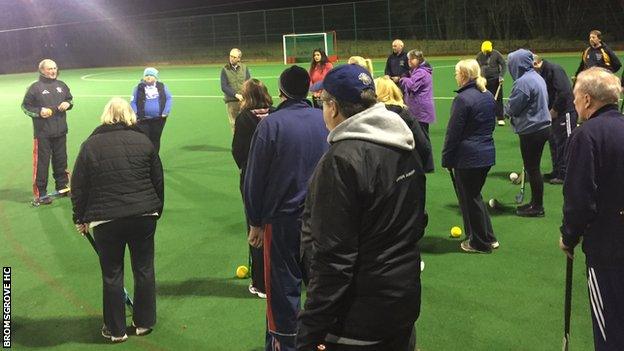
x,y
509,300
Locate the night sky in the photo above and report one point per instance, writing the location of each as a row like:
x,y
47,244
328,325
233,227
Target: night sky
x,y
26,13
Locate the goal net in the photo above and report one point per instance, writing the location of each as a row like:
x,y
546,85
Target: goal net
x,y
298,48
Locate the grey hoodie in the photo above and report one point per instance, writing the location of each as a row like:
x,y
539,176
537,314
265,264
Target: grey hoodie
x,y
377,125
528,103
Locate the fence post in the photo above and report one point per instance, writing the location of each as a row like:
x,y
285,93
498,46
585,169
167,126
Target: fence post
x,y
426,22
323,17
239,30
354,26
214,34
292,19
389,20
266,39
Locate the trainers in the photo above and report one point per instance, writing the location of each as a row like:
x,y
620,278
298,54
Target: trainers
x,y
495,245
501,122
549,176
140,331
63,192
465,245
531,211
523,207
255,291
107,334
422,265
556,181
43,200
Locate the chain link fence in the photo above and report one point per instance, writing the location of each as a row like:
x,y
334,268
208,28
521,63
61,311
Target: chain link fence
x,y
363,28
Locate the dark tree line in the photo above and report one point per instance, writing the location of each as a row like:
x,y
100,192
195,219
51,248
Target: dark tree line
x,y
507,19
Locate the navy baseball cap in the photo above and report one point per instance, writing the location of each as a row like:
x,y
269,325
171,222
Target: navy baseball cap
x,y
347,82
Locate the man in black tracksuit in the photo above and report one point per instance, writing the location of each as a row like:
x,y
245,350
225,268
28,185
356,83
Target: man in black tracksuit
x,y
562,113
46,102
593,206
598,54
363,217
397,63
493,69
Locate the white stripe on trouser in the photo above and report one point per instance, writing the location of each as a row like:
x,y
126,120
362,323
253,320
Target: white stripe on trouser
x,y
596,301
568,124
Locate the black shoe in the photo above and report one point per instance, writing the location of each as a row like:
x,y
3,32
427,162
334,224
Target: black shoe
x,y
531,211
549,176
523,207
44,200
556,181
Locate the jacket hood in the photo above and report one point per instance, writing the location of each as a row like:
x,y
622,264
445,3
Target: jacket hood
x,y
377,125
425,67
520,62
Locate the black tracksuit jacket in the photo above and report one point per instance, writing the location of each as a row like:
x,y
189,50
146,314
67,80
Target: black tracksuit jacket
x,y
593,206
48,93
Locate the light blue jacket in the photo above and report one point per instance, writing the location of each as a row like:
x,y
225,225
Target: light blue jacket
x,y
528,103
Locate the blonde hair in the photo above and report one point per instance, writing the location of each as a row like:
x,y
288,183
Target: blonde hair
x,y
118,110
599,84
362,62
388,92
470,69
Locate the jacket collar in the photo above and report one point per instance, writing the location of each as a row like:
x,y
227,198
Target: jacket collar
x,y
105,128
45,79
603,110
294,104
470,84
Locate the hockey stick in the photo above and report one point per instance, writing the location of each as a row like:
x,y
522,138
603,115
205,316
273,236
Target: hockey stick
x,y
520,196
498,91
127,298
567,306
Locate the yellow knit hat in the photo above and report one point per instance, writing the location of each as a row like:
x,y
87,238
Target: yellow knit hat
x,y
486,46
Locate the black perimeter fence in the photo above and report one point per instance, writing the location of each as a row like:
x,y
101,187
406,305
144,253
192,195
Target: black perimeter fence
x,y
365,28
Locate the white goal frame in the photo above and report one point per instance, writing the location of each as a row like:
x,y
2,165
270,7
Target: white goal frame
x,y
324,35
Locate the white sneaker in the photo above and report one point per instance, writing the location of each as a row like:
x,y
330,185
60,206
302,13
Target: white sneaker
x,y
422,265
257,292
116,339
501,122
139,331
495,245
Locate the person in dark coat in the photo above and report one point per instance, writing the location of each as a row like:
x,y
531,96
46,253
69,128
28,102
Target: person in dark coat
x,y
118,192
493,69
562,113
397,64
598,54
469,153
593,201
47,101
390,94
285,148
363,217
256,105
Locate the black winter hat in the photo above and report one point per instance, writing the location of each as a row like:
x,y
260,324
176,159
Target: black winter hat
x,y
294,83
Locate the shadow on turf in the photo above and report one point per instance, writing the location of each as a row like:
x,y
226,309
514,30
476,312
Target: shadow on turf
x,y
437,245
210,148
15,195
225,287
49,332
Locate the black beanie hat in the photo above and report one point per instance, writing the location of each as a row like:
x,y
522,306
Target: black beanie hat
x,y
294,83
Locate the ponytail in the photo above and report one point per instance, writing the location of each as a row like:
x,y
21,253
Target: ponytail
x,y
481,82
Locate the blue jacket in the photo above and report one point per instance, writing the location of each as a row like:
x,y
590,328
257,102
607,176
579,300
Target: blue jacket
x,y
528,103
284,151
593,195
397,65
152,101
469,142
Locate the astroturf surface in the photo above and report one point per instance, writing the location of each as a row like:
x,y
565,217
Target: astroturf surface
x,y
511,299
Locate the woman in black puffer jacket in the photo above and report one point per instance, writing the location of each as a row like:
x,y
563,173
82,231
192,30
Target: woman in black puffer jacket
x,y
118,191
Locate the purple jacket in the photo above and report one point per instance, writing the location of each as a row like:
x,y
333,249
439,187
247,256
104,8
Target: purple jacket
x,y
418,93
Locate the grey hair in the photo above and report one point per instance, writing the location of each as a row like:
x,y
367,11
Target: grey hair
x,y
599,84
416,54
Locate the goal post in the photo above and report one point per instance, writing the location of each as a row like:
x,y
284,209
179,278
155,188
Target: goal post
x,y
298,48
